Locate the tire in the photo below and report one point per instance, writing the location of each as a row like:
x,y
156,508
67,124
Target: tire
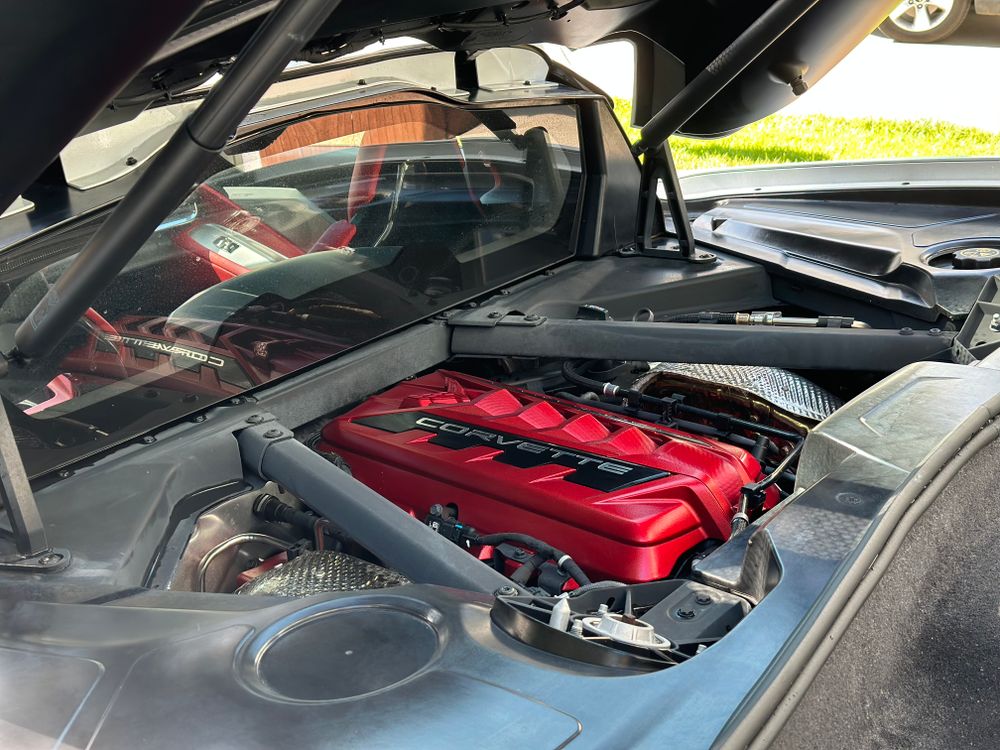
x,y
925,20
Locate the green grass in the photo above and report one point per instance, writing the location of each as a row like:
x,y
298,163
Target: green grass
x,y
789,138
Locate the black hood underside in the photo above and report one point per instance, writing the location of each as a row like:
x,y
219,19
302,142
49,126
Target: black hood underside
x,y
70,67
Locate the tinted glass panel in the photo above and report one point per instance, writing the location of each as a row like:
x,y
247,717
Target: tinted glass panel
x,y
309,240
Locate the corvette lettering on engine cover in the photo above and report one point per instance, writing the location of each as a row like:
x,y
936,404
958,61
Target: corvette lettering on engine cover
x,y
589,470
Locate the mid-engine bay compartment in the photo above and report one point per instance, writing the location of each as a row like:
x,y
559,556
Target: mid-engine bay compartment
x,y
592,487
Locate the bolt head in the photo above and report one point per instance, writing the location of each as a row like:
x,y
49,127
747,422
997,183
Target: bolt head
x,y
685,614
271,434
703,599
495,314
255,419
148,439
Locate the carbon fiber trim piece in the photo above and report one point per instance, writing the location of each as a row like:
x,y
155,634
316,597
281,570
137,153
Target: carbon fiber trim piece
x,y
319,573
789,392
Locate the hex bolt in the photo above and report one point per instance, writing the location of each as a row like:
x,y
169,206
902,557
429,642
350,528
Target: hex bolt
x,y
505,591
531,317
495,314
685,614
906,331
272,434
255,419
703,599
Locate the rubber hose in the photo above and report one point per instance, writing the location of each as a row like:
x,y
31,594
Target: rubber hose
x,y
523,574
703,317
571,374
564,561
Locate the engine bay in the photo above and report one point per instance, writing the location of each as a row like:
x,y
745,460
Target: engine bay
x,y
594,488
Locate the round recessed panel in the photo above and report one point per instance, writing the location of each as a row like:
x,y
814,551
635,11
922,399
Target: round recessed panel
x,y
346,654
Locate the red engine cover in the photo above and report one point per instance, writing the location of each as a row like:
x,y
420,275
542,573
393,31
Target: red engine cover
x,y
626,499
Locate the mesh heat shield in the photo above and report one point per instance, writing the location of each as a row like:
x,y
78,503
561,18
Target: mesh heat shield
x,y
789,392
319,573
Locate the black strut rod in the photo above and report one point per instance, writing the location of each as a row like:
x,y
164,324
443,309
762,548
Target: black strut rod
x,y
746,48
171,176
396,538
878,350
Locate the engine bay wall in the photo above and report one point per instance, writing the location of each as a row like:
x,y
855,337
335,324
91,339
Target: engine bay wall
x,y
205,640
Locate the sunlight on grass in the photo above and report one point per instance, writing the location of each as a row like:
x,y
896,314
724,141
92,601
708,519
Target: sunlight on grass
x,y
792,138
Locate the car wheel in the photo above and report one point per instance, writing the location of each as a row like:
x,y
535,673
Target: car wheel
x,y
925,20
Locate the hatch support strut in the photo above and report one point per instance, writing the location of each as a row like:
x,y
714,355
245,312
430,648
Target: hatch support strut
x,y
652,147
31,551
161,187
733,60
170,177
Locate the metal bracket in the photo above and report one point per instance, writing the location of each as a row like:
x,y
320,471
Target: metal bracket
x,y
671,250
31,549
491,317
659,166
262,431
49,561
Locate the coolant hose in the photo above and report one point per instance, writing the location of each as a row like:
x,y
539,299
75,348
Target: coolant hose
x,y
756,490
564,561
610,390
523,574
648,416
703,317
